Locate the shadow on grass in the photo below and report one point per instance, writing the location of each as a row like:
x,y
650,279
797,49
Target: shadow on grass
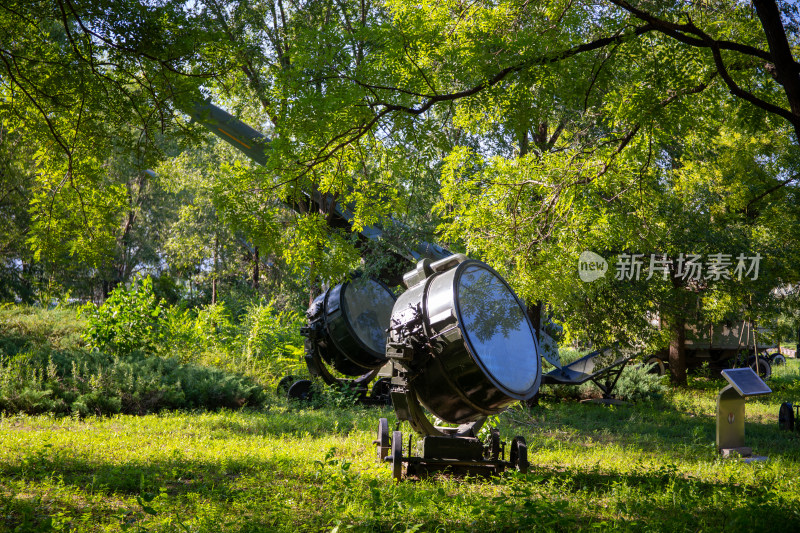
x,y
176,475
653,427
294,420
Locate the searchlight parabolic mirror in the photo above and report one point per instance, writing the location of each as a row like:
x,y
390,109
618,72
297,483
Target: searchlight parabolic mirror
x,y
349,323
483,353
497,329
368,306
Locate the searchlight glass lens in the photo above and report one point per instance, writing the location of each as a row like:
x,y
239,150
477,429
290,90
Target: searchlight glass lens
x,y
496,328
368,307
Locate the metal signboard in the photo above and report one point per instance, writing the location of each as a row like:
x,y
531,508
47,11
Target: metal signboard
x,y
746,382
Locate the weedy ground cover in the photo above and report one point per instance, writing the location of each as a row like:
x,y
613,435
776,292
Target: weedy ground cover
x,y
637,467
46,367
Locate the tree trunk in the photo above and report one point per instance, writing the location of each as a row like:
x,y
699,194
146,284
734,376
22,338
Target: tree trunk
x,y
677,351
216,268
779,48
534,312
255,268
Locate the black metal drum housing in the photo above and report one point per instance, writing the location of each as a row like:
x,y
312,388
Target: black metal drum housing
x,y
463,340
347,325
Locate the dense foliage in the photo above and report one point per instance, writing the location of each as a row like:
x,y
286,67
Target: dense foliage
x,y
197,359
521,132
82,383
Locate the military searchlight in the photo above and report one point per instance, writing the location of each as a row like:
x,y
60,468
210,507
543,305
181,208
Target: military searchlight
x,y
346,330
462,348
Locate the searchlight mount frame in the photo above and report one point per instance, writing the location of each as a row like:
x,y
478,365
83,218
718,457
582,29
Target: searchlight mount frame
x,y
453,450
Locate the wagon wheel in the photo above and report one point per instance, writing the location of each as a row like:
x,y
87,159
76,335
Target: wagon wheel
x,y
778,359
658,366
786,416
519,454
397,455
383,441
764,369
300,390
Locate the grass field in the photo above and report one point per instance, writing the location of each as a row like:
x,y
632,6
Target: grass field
x,y
639,467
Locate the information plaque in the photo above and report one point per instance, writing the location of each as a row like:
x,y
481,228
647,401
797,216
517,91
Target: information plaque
x,y
743,382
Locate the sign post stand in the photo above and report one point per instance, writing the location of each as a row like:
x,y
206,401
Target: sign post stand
x,y
743,383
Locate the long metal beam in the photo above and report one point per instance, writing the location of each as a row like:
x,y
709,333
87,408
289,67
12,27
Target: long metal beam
x,y
255,144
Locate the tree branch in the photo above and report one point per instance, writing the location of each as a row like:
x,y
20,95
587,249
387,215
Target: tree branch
x,y
771,190
355,133
701,39
788,70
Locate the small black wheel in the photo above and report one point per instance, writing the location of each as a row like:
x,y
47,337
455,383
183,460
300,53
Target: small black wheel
x,y
300,390
786,416
380,390
284,384
658,367
764,369
494,444
383,441
397,455
777,359
519,454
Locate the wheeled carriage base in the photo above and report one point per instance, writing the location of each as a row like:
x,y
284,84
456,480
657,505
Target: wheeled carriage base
x,y
457,455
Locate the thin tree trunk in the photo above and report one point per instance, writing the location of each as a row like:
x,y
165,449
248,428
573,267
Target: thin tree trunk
x,y
677,351
255,268
534,312
216,269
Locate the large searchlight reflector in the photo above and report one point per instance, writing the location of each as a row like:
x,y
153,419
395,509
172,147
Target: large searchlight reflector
x,y
462,348
463,340
350,322
346,330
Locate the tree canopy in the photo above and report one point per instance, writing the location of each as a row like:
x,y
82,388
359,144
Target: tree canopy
x,y
521,132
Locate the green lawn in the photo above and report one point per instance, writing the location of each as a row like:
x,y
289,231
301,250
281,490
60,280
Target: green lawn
x,y
648,467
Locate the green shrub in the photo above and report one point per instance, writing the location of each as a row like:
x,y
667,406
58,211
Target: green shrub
x,y
128,321
258,339
206,335
25,327
118,374
272,342
264,343
637,384
83,383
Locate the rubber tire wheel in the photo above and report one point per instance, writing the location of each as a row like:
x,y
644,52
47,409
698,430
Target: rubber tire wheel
x,y
519,454
300,390
284,384
659,368
764,367
777,359
786,416
383,440
381,389
397,455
